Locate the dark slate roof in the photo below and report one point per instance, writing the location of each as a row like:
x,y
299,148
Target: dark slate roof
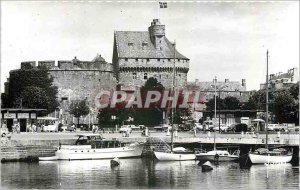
x,y
137,50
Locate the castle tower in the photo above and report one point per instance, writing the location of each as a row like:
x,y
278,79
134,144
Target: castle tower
x,y
139,55
157,33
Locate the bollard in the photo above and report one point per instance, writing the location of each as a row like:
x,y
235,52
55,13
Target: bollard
x,y
175,133
168,132
146,132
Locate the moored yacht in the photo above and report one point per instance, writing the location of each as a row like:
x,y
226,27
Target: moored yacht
x,y
218,155
266,156
93,146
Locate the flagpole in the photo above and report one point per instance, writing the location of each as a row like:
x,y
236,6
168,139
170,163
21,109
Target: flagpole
x,y
158,7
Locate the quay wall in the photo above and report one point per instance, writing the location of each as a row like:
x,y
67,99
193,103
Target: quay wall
x,y
22,149
25,152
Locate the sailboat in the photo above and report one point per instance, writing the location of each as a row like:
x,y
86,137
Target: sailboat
x,y
265,155
217,155
179,153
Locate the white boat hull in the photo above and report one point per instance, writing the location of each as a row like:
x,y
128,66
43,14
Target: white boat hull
x,y
262,159
85,152
170,156
223,156
203,157
51,158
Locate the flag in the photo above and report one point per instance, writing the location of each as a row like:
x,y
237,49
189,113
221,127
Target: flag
x,y
163,5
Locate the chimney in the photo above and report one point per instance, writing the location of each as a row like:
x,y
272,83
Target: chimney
x,y
226,80
244,83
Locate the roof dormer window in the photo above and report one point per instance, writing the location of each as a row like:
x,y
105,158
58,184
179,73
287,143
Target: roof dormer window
x,y
144,44
130,44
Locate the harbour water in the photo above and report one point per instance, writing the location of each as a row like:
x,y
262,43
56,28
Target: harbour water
x,y
144,173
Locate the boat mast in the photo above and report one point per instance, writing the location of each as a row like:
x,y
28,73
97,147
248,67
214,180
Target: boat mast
x,y
173,92
267,99
215,84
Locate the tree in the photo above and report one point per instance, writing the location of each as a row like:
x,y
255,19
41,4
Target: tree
x,y
231,103
78,109
285,106
27,83
257,101
210,105
36,97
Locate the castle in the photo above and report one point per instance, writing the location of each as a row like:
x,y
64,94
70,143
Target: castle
x,y
139,55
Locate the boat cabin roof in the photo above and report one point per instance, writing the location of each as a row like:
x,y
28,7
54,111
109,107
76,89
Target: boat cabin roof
x,y
89,135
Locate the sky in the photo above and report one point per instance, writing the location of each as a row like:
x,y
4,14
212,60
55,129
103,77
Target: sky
x,y
228,40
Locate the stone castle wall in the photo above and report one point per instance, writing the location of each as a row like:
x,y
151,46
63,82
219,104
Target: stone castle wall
x,y
133,71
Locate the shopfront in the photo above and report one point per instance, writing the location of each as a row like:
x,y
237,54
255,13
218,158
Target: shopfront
x,y
22,116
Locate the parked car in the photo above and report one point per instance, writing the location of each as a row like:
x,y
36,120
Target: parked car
x,y
238,127
223,128
241,127
125,129
50,128
199,127
163,127
71,128
141,127
208,125
231,127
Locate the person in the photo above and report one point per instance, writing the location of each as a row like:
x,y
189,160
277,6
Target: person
x,y
73,128
18,127
60,129
33,127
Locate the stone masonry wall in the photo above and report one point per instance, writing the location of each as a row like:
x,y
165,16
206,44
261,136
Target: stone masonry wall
x,y
81,84
161,69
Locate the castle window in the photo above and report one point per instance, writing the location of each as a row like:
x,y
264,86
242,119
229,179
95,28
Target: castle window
x,y
134,75
130,44
169,59
160,48
136,59
145,76
126,59
179,75
159,76
178,59
158,59
64,98
148,60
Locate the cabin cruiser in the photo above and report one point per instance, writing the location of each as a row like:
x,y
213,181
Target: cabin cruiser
x,y
218,155
93,146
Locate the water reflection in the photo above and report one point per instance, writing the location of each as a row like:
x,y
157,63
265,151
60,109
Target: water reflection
x,y
140,173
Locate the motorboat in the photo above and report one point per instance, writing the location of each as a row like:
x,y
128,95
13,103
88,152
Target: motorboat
x,y
218,155
266,156
93,146
178,154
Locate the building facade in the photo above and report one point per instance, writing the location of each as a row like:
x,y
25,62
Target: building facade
x,y
282,80
139,55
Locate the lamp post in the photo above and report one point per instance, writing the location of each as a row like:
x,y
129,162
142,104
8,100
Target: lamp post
x,y
215,84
